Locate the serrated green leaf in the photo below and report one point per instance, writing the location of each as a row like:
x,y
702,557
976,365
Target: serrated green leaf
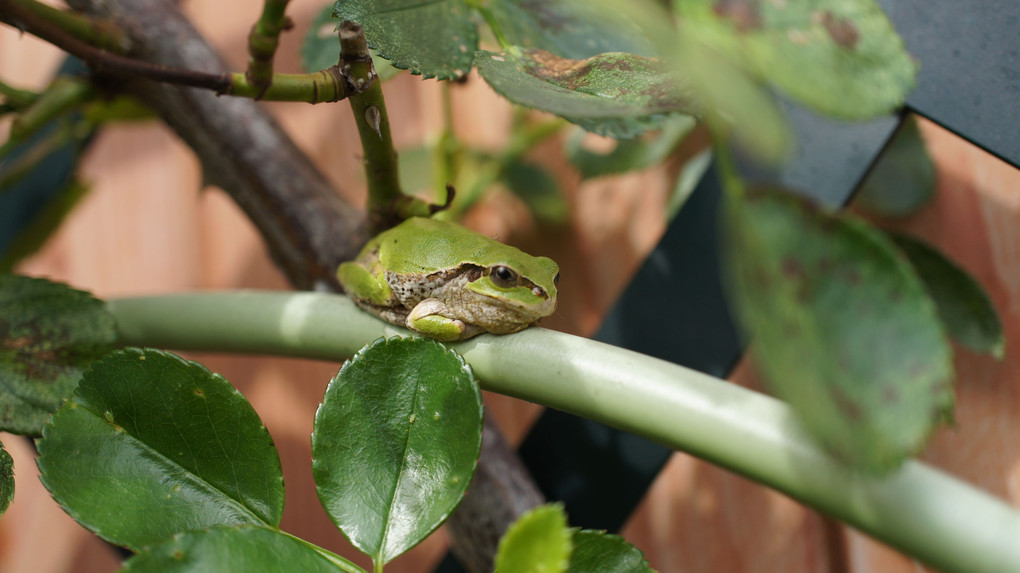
x,y
433,39
903,179
574,29
841,57
598,551
629,155
321,48
234,549
538,542
842,326
151,445
395,443
619,95
49,334
962,303
538,189
6,479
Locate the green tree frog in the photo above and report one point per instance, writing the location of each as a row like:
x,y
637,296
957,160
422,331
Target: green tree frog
x,y
449,283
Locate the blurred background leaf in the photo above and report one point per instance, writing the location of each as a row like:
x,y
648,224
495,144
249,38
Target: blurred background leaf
x,y
903,179
842,328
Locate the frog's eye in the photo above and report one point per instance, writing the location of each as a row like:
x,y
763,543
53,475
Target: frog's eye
x,y
503,277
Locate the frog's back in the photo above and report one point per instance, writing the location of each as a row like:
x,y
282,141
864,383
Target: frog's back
x,y
420,245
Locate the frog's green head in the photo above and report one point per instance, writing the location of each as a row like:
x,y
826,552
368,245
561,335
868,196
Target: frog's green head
x,y
524,286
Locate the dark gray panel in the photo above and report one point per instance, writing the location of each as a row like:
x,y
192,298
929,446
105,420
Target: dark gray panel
x,y
969,79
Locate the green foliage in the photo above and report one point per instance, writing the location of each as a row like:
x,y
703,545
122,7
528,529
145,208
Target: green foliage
x,y
631,154
243,549
6,479
736,106
538,542
605,553
439,39
539,190
49,334
395,443
616,94
903,179
432,39
963,305
541,542
841,57
843,328
575,29
151,445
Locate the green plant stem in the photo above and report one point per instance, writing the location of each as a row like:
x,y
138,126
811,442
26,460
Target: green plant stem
x,y
918,509
369,108
490,20
263,41
64,94
17,99
16,169
99,33
324,86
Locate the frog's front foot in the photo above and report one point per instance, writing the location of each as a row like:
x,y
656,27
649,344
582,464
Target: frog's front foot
x,y
431,318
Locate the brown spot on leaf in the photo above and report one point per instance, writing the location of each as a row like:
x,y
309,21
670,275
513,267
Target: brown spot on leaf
x,y
15,343
841,30
846,404
891,395
792,269
571,74
746,14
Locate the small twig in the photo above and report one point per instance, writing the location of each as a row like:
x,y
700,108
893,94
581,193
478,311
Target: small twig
x,y
63,94
100,33
17,98
262,43
328,85
23,15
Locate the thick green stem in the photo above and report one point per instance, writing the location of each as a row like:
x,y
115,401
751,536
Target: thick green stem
x,y
918,509
263,41
324,86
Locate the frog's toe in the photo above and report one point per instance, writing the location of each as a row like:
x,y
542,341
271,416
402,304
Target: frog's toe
x,y
429,317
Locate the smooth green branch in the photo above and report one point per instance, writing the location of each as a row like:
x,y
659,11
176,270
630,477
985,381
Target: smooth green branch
x,y
263,41
918,509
